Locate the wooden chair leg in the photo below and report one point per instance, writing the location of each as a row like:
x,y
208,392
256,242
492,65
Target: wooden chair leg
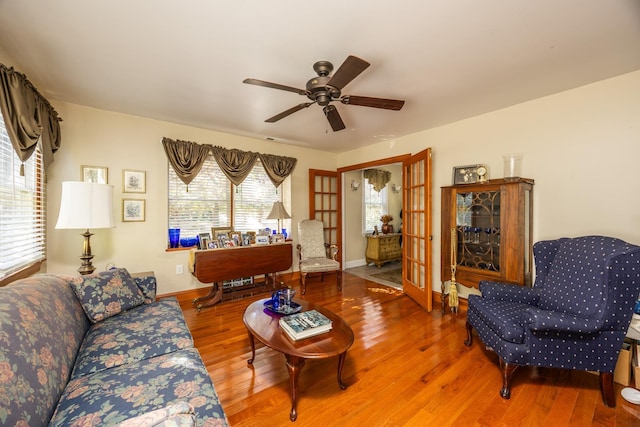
x,y
507,373
339,279
469,339
606,387
303,280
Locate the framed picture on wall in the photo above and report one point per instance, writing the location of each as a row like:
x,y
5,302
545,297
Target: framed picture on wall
x,y
94,174
134,181
133,210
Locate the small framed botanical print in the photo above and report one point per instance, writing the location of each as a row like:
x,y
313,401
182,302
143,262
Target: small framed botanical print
x,y
134,181
94,174
133,210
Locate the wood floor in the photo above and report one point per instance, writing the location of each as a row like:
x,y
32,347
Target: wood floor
x,y
407,367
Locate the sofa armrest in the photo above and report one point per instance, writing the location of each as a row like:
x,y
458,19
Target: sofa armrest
x,y
507,292
147,283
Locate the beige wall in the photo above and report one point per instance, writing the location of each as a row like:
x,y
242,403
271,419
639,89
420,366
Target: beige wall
x,y
118,141
581,146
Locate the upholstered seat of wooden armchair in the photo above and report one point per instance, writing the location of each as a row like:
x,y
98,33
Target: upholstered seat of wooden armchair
x,y
314,255
575,317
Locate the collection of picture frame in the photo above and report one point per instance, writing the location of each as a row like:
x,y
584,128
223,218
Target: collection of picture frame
x,y
133,181
224,237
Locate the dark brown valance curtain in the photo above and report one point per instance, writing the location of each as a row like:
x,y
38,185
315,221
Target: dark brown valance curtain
x,y
377,177
235,164
28,116
278,167
187,159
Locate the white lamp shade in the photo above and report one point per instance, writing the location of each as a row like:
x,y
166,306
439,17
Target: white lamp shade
x,y
85,205
278,212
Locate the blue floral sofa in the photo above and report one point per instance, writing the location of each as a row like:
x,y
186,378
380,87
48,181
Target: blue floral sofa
x,y
99,350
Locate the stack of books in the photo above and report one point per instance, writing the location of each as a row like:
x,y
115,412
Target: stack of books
x,y
305,324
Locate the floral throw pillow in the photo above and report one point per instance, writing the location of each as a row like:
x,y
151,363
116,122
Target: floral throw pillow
x,y
107,293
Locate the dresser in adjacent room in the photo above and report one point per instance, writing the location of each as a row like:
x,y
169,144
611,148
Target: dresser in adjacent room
x,y
383,248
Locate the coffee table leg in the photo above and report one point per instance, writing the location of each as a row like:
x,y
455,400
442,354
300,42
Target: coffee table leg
x,y
340,366
253,348
294,366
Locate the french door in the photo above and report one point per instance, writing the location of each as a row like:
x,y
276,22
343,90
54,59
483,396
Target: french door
x,y
324,203
416,233
325,198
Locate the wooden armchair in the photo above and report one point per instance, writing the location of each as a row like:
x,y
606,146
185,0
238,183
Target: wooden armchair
x,y
314,255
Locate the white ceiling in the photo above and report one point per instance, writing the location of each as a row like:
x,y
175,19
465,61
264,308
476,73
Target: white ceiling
x,y
184,61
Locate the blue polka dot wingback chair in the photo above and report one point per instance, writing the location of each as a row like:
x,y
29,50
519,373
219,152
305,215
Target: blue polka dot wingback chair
x,y
575,317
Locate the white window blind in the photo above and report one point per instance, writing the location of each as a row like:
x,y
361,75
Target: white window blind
x,y
253,200
212,201
375,205
22,208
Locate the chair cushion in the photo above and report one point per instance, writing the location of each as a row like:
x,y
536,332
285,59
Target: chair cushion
x,y
147,285
178,415
114,395
143,332
311,239
575,280
502,317
317,265
107,293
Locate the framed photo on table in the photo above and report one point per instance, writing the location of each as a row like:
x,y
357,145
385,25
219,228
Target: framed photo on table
x,y
134,181
133,210
94,174
205,239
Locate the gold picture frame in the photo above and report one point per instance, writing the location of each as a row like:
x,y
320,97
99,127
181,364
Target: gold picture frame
x,y
94,174
134,181
133,210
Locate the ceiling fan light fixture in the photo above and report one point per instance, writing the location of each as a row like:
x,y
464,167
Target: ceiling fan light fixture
x,y
323,99
325,88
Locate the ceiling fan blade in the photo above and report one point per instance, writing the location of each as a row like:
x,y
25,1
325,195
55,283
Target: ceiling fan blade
x,y
288,112
334,118
349,70
274,86
366,101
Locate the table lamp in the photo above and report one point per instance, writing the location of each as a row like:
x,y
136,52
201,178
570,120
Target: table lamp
x,y
86,205
278,212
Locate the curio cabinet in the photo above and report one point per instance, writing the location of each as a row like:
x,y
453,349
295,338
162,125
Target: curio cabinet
x,y
487,229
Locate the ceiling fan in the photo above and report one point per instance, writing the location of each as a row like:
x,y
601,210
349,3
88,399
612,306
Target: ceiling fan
x,y
326,88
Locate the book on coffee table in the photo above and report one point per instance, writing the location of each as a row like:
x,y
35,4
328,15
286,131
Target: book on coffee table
x,y
305,324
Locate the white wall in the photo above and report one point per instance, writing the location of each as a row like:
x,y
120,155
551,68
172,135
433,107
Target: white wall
x,y
581,146
118,141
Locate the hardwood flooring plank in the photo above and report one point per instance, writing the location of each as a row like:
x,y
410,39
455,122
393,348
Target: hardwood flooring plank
x,y
407,367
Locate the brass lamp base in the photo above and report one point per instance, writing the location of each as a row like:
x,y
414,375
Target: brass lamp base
x,y
86,267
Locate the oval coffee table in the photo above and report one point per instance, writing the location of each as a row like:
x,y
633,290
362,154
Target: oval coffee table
x,y
263,325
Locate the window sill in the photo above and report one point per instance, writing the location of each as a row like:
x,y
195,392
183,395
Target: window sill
x,y
180,249
21,274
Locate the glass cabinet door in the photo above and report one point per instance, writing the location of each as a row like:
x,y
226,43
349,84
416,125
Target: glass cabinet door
x,y
478,230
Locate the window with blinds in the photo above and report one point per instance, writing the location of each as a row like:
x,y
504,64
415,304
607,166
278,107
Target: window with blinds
x,y
22,209
375,205
212,201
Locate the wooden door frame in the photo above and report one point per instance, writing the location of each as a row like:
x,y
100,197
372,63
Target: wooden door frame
x,y
374,163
